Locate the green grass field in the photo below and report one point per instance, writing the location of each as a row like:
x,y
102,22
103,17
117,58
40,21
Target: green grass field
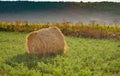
x,y
84,57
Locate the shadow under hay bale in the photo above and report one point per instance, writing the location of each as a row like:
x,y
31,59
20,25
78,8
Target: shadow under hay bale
x,y
46,41
29,60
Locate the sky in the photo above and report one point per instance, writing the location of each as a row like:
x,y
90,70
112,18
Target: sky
x,y
68,0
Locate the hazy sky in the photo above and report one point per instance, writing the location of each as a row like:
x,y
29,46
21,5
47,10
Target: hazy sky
x,y
67,0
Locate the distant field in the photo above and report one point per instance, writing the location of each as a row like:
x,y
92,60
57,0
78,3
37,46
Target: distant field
x,y
84,57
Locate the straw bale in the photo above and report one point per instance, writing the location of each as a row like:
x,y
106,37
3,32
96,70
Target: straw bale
x,y
46,41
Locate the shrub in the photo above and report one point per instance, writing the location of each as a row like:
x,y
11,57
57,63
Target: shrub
x,y
78,29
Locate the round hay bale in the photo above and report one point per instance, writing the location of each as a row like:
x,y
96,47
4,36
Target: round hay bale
x,y
46,41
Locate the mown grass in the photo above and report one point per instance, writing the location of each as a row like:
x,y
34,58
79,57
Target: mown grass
x,y
92,30
84,57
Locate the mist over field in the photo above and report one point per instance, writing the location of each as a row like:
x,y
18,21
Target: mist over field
x,y
43,12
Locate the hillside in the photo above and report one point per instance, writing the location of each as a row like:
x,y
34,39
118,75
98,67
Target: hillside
x,y
6,6
59,11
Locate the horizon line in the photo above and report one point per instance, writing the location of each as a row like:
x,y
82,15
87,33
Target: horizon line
x,y
58,1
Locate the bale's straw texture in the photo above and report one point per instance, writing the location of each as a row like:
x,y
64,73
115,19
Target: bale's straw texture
x,y
46,41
